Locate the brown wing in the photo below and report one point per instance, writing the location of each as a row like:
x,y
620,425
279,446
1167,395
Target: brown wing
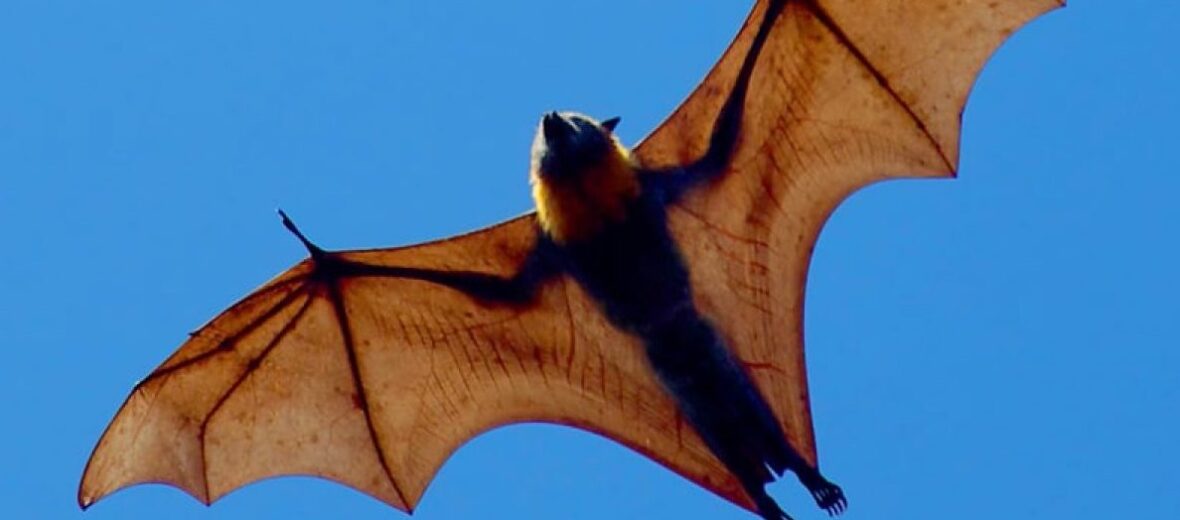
x,y
374,381
845,93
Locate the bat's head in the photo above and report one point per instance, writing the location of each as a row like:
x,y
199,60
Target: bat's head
x,y
582,176
569,144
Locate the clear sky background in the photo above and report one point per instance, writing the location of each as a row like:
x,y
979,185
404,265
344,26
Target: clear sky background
x,y
999,346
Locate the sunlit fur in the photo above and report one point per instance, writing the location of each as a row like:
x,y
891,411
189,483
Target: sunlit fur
x,y
576,206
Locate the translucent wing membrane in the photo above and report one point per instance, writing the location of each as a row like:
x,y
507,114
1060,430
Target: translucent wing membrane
x,y
845,93
372,381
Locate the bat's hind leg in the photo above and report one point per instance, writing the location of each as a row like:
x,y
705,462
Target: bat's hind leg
x,y
729,413
827,495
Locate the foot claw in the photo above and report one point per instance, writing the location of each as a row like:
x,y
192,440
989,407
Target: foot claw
x,y
829,497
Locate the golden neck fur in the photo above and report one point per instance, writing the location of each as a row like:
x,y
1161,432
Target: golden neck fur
x,y
577,207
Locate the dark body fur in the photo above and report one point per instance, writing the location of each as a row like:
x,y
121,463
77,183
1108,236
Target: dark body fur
x,y
632,268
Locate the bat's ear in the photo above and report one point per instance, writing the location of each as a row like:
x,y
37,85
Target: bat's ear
x,y
611,123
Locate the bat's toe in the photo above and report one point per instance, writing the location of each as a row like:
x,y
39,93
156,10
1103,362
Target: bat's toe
x,y
830,498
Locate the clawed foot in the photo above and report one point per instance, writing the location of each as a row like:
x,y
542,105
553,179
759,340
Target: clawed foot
x,y
827,495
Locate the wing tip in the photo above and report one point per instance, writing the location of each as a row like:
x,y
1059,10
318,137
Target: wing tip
x,y
87,499
84,502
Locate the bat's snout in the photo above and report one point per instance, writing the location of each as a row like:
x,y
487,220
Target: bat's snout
x,y
556,128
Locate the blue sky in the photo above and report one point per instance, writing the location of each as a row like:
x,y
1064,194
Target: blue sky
x,y
1002,345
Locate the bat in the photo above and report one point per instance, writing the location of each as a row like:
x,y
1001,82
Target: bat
x,y
655,295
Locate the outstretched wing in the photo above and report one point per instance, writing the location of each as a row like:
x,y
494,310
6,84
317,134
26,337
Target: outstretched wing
x,y
373,381
844,94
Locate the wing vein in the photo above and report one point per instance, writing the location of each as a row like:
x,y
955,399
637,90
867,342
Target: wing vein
x,y
720,230
826,19
226,343
251,367
573,336
337,299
